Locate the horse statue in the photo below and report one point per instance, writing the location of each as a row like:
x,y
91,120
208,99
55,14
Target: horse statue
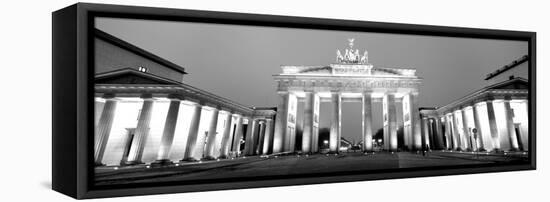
x,y
365,58
356,56
339,57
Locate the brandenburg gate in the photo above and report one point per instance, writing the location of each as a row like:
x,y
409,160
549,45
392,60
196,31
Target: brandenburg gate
x,y
351,79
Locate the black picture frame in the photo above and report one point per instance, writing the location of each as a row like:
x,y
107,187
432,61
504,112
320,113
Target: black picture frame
x,y
73,109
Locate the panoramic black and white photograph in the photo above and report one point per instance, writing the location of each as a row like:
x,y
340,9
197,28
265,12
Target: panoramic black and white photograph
x,y
189,101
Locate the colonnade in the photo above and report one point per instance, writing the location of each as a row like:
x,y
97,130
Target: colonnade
x,y
259,131
486,125
285,126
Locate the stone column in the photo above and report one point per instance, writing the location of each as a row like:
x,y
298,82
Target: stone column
x,y
415,122
103,128
335,125
493,125
292,123
168,133
438,129
477,123
367,122
226,138
193,133
99,103
238,136
315,135
267,136
212,133
249,142
432,143
315,141
407,127
142,132
425,132
456,133
399,123
258,143
450,132
280,122
308,122
509,115
255,137
272,132
391,133
465,130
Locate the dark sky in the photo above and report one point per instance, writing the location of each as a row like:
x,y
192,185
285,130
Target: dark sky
x,y
237,62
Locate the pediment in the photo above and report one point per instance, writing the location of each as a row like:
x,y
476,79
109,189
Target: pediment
x,y
131,76
517,83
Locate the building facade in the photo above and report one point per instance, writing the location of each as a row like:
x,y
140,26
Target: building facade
x,y
351,79
494,118
145,114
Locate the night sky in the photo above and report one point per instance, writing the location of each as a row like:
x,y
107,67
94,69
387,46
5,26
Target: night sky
x,y
237,62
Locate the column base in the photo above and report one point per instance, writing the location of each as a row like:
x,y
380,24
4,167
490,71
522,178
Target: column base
x,y
514,149
163,162
99,164
497,151
209,158
189,159
131,163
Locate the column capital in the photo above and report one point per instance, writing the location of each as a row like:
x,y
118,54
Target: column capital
x,y
456,109
174,97
390,92
146,96
228,112
283,92
414,93
194,104
108,96
507,98
367,92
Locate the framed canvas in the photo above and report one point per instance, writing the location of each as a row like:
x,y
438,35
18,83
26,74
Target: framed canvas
x,y
158,100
